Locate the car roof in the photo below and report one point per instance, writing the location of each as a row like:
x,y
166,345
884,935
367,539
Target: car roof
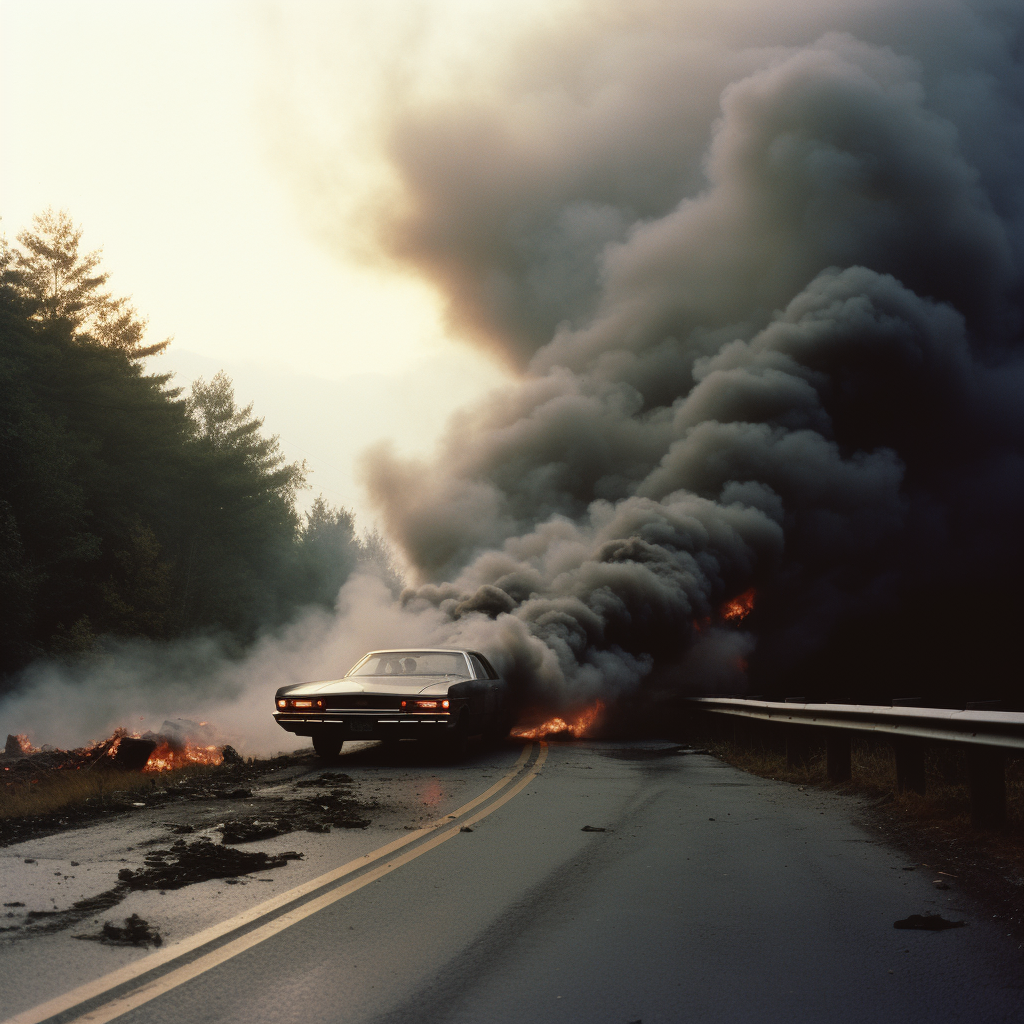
x,y
422,650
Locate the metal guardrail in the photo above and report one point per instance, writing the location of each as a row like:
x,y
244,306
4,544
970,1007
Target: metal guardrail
x,y
1003,729
987,735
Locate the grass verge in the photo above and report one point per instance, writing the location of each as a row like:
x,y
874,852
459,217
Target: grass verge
x,y
60,790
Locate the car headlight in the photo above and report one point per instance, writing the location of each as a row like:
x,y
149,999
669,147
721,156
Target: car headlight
x,y
298,703
427,705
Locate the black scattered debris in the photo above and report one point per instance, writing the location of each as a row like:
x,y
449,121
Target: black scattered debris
x,y
185,863
233,780
29,860
928,923
16,903
465,828
337,808
593,828
940,884
136,932
317,814
248,830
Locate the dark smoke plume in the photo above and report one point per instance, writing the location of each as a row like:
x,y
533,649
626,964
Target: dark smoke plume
x,y
764,287
759,269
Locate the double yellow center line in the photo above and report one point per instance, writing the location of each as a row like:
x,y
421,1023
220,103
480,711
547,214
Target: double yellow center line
x,y
206,961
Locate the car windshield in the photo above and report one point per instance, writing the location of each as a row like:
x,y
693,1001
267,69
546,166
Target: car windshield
x,y
411,663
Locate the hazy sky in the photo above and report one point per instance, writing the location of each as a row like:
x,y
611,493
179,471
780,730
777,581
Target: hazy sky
x,y
161,128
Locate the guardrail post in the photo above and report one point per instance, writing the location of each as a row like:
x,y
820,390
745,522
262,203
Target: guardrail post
x,y
798,745
909,764
986,769
838,755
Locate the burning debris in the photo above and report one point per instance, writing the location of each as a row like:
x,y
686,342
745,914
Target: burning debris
x,y
738,608
570,727
177,744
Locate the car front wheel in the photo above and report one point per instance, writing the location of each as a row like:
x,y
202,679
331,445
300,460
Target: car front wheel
x,y
327,745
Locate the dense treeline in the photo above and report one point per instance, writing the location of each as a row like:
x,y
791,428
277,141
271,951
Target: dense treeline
x,y
126,508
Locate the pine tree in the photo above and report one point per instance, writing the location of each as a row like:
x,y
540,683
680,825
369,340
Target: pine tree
x,y
57,283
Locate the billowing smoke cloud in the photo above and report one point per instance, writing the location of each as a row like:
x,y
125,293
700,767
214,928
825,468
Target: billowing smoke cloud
x,y
760,271
765,292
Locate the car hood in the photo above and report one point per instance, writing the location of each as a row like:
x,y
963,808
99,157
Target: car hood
x,y
371,684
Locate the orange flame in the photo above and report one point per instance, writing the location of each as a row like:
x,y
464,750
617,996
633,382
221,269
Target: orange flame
x,y
170,752
739,607
168,756
578,725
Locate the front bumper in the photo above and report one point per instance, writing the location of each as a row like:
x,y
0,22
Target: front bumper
x,y
354,725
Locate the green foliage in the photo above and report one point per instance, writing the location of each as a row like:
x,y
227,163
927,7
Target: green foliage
x,y
126,509
327,553
57,284
376,558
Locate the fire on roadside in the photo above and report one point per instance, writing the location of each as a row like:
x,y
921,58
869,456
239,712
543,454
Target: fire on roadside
x,y
170,751
167,756
738,608
577,725
167,751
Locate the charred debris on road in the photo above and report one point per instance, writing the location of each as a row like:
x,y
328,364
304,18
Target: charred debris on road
x,y
46,791
243,801
184,863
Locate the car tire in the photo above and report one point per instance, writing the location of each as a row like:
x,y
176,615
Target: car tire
x,y
327,745
453,741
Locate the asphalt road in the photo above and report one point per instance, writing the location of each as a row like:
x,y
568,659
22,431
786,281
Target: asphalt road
x,y
710,896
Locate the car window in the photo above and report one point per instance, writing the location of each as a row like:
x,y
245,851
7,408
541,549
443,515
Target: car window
x,y
491,674
478,667
411,663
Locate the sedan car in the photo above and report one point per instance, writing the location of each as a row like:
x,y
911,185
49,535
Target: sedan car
x,y
438,694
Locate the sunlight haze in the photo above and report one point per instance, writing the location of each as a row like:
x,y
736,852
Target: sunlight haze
x,y
155,128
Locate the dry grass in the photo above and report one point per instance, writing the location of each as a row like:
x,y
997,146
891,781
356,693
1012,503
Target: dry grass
x,y
62,790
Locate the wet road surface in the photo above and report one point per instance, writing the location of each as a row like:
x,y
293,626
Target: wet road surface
x,y
709,895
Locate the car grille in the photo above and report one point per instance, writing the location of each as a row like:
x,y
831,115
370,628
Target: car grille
x,y
362,702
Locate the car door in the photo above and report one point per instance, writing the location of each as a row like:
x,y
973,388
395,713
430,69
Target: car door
x,y
489,685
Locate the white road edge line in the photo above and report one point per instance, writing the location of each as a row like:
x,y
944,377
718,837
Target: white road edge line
x,y
92,989
181,975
